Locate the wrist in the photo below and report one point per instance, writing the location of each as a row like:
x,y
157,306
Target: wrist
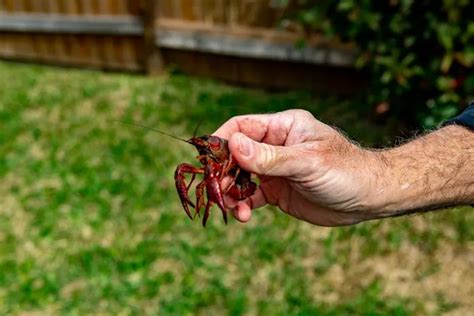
x,y
382,200
372,180
390,191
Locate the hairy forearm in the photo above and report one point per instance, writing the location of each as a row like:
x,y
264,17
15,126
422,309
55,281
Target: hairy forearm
x,y
431,172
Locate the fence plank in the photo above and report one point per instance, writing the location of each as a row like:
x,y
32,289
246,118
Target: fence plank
x,y
187,11
153,60
36,6
43,47
71,7
94,7
250,43
262,13
121,7
94,51
26,5
80,51
8,5
86,7
119,25
58,43
133,7
53,6
7,50
129,55
109,51
165,8
104,7
52,43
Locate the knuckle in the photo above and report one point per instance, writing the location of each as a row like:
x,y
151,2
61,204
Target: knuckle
x,y
303,114
267,158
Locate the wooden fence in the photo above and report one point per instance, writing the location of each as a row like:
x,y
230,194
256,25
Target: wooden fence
x,y
229,39
82,33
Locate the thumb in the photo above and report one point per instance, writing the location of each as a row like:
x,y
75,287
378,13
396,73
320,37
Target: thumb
x,y
261,158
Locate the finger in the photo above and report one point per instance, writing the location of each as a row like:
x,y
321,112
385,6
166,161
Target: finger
x,y
255,201
226,182
252,125
242,210
281,128
228,128
268,128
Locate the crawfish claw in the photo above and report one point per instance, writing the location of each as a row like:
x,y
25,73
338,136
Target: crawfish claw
x,y
243,186
181,187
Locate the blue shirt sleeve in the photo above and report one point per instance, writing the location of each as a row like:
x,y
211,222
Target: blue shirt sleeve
x,y
466,118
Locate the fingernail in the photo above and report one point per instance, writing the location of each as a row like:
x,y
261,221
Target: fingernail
x,y
245,146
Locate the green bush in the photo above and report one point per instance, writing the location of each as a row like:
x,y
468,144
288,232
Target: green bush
x,y
418,54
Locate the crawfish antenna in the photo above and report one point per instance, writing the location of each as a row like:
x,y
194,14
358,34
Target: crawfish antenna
x,y
153,130
196,128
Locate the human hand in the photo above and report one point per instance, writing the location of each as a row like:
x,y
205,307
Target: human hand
x,y
306,168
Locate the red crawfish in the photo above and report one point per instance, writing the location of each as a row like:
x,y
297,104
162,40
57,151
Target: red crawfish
x,y
217,163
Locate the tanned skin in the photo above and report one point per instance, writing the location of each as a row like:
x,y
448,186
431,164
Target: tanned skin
x,y
431,172
312,172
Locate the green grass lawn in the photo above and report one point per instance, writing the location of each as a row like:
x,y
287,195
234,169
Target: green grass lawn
x,y
90,221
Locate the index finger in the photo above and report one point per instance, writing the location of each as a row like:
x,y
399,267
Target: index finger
x,y
268,128
250,125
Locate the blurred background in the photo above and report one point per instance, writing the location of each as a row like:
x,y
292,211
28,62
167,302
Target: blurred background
x,y
90,222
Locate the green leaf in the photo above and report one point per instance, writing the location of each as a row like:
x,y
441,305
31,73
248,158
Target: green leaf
x,y
346,5
446,62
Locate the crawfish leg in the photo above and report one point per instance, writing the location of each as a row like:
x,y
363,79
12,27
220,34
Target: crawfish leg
x,y
207,212
232,182
214,193
229,164
200,196
179,177
191,182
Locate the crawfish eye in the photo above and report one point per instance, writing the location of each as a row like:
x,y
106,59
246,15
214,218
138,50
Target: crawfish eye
x,y
214,142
